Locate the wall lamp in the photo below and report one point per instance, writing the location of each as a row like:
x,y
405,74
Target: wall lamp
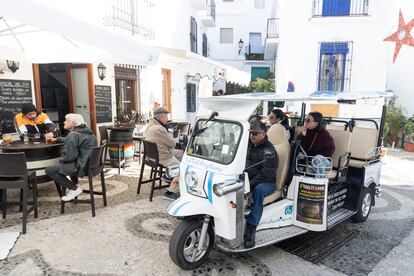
x,y
241,45
101,71
13,65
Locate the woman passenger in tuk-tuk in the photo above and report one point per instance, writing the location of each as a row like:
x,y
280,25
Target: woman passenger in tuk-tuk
x,y
317,142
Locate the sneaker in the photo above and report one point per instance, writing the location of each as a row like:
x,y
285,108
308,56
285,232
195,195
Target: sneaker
x,y
166,179
170,196
72,194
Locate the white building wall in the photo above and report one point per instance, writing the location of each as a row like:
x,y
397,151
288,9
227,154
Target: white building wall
x,y
300,35
400,76
242,16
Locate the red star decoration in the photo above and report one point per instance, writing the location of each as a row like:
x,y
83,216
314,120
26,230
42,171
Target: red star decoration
x,y
401,36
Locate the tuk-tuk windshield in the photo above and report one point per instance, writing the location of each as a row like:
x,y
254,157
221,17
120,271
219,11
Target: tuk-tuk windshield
x,y
215,140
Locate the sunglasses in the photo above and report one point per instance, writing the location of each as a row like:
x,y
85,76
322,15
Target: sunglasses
x,y
309,120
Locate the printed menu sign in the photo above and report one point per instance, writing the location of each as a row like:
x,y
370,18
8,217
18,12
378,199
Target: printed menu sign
x,y
310,203
13,94
103,103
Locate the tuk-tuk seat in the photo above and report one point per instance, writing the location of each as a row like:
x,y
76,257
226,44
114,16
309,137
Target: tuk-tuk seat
x,y
342,140
278,137
363,141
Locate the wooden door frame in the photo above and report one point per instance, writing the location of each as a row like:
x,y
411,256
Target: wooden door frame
x,y
166,75
37,87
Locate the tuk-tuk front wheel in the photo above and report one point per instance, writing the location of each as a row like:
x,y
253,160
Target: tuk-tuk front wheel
x,y
364,205
184,244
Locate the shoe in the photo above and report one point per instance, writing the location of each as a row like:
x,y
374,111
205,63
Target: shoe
x,y
166,179
72,194
250,236
170,196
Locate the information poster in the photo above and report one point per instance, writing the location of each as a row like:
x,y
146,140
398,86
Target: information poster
x,y
310,203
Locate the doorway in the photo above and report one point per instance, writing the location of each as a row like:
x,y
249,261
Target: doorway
x,y
166,88
63,88
54,92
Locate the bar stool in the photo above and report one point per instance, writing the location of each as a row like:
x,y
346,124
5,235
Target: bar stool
x,y
138,140
118,144
95,167
151,159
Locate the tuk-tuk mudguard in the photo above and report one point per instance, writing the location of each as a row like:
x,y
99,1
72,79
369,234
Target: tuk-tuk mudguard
x,y
191,206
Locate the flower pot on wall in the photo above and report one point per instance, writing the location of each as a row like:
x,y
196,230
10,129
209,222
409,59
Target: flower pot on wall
x,y
409,147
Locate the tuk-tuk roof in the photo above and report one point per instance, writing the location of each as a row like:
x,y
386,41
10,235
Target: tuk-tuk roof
x,y
241,106
319,95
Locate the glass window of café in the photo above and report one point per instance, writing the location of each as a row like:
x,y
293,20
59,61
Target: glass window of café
x,y
127,91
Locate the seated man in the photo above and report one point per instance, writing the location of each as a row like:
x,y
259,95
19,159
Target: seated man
x,y
262,177
157,132
79,144
31,122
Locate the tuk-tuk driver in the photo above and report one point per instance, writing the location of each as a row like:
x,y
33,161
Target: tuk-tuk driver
x,y
262,177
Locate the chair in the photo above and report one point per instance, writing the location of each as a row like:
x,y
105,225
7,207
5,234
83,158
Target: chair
x,y
363,141
151,159
278,137
95,167
137,151
14,175
103,132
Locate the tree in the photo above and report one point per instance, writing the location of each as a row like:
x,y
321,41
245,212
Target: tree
x,y
262,85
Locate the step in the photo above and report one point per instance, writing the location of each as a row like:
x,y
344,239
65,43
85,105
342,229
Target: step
x,y
338,216
267,237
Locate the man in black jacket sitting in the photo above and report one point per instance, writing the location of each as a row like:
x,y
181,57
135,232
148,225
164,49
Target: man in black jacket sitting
x,y
262,177
79,144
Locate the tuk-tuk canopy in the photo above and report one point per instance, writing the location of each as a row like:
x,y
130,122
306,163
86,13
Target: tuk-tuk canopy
x,y
241,106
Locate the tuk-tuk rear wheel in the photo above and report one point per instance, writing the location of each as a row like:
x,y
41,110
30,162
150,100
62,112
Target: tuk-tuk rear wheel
x,y
364,205
184,242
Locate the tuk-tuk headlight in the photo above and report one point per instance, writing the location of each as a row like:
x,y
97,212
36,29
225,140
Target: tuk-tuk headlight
x,y
228,186
191,181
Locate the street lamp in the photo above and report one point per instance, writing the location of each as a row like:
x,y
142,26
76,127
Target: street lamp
x,y
241,44
13,65
101,71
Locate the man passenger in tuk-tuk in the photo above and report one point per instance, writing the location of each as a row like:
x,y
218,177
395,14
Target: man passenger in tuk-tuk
x,y
262,177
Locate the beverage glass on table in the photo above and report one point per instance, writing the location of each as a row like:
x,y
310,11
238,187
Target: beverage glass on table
x,y
36,138
50,140
7,138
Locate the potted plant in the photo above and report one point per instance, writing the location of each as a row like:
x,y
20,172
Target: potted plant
x,y
395,121
409,134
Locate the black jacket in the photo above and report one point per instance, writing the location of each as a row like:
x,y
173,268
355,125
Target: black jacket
x,y
79,144
266,171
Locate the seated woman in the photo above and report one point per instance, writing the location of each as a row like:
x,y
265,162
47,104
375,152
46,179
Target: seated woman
x,y
316,141
277,116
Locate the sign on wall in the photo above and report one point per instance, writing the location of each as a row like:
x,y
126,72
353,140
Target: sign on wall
x,y
13,94
103,103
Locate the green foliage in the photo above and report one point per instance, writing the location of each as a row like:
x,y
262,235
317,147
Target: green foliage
x,y
409,130
395,120
262,85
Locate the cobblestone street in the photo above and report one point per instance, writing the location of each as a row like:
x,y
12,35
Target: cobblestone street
x,y
130,237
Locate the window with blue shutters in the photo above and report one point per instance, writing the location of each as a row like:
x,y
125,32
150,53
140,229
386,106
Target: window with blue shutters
x,y
191,97
340,7
334,66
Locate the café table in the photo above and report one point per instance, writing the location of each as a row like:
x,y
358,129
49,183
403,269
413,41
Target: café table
x,y
38,155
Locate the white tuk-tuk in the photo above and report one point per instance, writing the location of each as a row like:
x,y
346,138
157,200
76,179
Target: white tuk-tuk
x,y
215,189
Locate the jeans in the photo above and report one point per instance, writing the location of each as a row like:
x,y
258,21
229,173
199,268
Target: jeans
x,y
61,179
260,191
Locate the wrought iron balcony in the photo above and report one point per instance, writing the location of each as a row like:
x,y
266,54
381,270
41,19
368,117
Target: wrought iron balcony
x,y
323,8
254,53
209,18
272,28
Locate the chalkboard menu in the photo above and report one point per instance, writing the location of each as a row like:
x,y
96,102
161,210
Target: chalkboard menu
x,y
103,103
13,94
